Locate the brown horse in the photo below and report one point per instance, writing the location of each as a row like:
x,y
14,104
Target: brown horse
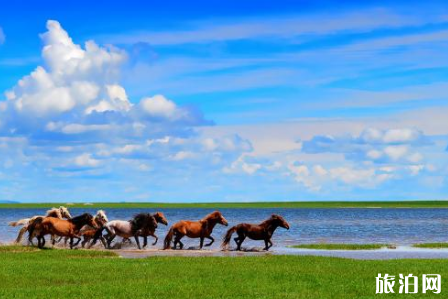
x,y
64,228
262,231
194,229
150,230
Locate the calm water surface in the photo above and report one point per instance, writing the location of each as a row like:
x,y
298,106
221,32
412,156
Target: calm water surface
x,y
396,226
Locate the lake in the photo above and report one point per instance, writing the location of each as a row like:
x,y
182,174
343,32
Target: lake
x,y
345,225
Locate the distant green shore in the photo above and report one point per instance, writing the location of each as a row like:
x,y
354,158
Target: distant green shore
x,y
291,204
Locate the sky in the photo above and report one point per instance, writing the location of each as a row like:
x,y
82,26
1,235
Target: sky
x,y
229,101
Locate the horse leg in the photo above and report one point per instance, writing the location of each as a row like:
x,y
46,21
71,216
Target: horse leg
x,y
270,243
211,242
77,242
109,241
266,243
103,242
155,242
41,242
137,241
177,240
145,241
83,243
201,242
239,241
71,242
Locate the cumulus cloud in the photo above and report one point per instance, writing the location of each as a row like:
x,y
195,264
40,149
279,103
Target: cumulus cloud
x,y
371,158
74,114
378,146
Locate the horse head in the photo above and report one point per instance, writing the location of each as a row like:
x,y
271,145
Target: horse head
x,y
217,217
64,212
160,218
279,221
101,217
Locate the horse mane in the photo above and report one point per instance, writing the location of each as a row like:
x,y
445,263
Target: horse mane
x,y
78,219
267,222
142,220
54,212
212,215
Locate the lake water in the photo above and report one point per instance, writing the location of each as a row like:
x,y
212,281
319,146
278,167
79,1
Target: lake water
x,y
394,226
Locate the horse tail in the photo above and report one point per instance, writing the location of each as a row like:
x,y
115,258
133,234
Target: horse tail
x,y
227,237
19,222
168,238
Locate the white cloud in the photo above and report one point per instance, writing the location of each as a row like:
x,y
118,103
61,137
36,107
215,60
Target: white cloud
x,y
396,152
299,27
159,106
86,160
75,117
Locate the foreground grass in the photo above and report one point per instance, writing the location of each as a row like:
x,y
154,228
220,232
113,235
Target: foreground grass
x,y
324,246
431,245
92,274
291,204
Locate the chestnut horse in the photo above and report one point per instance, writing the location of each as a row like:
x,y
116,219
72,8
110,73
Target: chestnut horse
x,y
262,231
150,231
194,229
64,228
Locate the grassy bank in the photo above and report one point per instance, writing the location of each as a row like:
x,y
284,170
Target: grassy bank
x,y
431,245
328,246
90,274
291,204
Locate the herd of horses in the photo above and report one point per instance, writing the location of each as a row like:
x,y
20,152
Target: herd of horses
x,y
60,225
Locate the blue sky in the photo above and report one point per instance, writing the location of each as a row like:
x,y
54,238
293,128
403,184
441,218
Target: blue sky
x,y
223,101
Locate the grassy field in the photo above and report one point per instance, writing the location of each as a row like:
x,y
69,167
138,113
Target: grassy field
x,y
431,245
91,274
328,246
291,204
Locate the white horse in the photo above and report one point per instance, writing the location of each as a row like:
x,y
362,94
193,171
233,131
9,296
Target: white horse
x,y
61,212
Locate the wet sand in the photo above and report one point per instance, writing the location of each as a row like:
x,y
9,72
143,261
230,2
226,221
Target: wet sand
x,y
401,252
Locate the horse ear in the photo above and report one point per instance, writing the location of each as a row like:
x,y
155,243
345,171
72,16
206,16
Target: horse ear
x,y
274,216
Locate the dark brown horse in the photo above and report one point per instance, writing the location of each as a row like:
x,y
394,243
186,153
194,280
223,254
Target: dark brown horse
x,y
194,229
150,230
262,231
64,228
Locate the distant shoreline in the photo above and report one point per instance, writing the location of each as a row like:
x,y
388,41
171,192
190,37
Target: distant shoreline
x,y
217,205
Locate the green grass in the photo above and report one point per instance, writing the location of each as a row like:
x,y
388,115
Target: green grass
x,y
329,246
90,274
431,245
291,204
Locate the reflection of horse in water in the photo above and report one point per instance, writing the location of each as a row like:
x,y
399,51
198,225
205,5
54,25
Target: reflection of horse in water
x,y
262,231
61,212
194,229
63,228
